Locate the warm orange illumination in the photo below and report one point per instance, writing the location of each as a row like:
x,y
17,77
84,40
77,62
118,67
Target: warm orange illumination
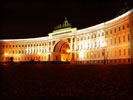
x,y
68,51
6,54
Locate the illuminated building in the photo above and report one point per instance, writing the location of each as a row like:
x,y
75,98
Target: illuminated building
x,y
110,42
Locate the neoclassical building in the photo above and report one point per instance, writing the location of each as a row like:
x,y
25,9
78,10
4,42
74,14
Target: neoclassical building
x,y
110,42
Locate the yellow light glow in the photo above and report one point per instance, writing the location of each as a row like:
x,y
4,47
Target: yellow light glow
x,y
68,51
6,54
104,44
39,53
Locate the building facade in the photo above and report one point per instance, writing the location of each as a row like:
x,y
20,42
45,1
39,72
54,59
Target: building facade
x,y
110,42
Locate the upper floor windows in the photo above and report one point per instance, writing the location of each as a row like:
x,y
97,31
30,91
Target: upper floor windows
x,y
110,31
123,27
128,25
123,38
115,30
119,39
128,37
119,28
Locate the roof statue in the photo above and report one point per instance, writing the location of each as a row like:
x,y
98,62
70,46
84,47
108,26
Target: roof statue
x,y
64,25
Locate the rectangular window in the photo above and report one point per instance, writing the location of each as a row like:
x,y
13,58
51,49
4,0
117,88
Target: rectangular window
x,y
115,30
110,31
107,33
129,51
110,41
115,40
115,53
128,37
123,27
127,25
119,39
123,38
119,52
124,52
119,29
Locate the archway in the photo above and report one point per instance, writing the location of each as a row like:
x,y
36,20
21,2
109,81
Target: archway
x,y
61,51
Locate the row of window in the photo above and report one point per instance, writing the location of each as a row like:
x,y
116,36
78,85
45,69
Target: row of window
x,y
94,36
118,29
32,51
107,54
28,45
97,44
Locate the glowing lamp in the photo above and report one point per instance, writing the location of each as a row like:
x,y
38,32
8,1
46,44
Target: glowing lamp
x,y
39,53
6,54
68,51
104,44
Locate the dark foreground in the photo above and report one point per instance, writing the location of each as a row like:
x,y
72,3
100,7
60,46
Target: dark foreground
x,y
66,82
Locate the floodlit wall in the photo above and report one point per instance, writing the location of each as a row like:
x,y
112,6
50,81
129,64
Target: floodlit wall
x,y
111,41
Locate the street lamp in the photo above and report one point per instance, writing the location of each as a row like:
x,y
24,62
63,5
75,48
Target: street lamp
x,y
103,52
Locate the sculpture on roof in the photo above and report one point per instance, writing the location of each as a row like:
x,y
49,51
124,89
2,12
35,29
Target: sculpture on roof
x,y
64,25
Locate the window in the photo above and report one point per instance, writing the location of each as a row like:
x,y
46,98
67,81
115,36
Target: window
x,y
107,33
110,41
13,51
115,40
119,52
127,25
119,29
10,46
19,45
6,46
102,34
16,46
98,35
115,30
128,37
13,46
124,52
110,31
123,27
119,39
123,38
3,46
129,51
19,52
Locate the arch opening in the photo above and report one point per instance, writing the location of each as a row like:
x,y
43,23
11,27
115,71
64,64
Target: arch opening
x,y
61,52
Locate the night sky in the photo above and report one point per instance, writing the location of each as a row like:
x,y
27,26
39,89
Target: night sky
x,y
28,19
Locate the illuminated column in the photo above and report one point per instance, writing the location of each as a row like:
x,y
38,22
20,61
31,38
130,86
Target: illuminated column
x,y
86,41
41,47
27,49
32,48
51,45
71,44
75,44
48,46
38,48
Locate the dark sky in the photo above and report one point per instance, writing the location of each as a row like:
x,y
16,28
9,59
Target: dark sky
x,y
24,19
